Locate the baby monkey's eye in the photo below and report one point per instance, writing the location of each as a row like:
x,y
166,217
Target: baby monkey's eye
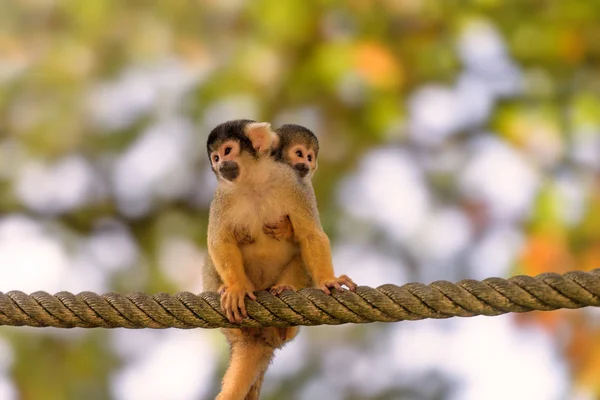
x,y
309,157
227,150
216,158
299,153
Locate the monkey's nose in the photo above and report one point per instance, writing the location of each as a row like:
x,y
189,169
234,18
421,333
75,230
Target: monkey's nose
x,y
302,169
229,170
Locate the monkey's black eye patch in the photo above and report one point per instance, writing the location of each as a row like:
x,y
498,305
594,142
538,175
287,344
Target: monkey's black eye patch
x,y
227,150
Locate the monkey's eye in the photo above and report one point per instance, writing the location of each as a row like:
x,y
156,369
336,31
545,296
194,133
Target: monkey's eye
x,y
299,153
309,157
227,150
216,158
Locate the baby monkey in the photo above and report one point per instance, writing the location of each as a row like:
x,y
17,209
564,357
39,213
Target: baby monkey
x,y
299,148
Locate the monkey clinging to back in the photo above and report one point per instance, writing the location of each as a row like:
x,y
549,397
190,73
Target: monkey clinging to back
x,y
299,148
254,190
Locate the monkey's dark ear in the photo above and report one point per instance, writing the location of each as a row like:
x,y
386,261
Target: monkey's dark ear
x,y
261,135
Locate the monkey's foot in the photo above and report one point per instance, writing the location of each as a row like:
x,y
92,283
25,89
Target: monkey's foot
x,y
232,301
278,289
337,284
281,230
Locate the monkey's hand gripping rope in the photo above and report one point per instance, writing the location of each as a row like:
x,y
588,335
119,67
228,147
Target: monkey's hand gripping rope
x,y
387,303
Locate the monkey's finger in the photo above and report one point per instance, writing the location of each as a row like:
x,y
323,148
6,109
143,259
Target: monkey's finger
x,y
348,282
225,304
251,295
241,306
272,233
274,236
232,311
236,312
277,290
229,313
337,286
325,289
272,230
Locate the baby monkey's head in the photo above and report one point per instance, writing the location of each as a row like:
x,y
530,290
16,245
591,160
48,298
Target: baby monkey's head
x,y
235,144
299,148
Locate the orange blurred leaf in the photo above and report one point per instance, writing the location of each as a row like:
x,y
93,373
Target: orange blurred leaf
x,y
546,252
377,65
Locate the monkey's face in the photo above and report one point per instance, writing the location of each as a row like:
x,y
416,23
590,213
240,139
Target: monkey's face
x,y
234,147
303,159
224,160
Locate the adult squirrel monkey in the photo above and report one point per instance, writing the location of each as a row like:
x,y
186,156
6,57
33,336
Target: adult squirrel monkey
x,y
255,190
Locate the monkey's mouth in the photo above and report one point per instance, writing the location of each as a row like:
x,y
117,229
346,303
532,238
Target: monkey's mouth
x,y
302,169
229,170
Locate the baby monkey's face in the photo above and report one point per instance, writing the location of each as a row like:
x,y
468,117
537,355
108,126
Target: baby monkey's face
x,y
302,158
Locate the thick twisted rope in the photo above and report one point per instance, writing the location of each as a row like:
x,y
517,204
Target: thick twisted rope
x,y
387,303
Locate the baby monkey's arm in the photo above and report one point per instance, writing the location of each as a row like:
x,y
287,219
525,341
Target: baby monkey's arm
x,y
295,276
315,249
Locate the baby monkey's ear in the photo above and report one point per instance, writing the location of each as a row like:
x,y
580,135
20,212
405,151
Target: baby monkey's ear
x,y
261,136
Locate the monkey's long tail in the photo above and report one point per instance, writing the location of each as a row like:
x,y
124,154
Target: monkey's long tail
x,y
250,358
275,338
254,392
